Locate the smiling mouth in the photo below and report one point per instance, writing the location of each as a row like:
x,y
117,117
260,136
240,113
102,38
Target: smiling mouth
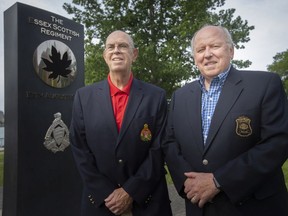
x,y
117,59
210,63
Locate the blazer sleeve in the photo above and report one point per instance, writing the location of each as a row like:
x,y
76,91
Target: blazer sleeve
x,y
97,185
241,177
173,153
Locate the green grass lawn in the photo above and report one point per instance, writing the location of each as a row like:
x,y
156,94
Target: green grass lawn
x,y
285,169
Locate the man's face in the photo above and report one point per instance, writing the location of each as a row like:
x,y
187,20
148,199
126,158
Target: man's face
x,y
118,53
212,53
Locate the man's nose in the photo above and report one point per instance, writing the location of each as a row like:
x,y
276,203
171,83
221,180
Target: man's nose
x,y
116,49
208,53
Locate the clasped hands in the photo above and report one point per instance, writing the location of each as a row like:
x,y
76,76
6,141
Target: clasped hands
x,y
200,188
119,201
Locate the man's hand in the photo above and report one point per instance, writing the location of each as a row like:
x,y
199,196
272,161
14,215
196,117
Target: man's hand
x,y
200,188
119,201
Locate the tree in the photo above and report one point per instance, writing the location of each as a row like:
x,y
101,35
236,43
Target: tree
x,y
162,30
280,66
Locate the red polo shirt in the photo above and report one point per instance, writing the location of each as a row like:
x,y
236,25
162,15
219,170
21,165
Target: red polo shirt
x,y
119,100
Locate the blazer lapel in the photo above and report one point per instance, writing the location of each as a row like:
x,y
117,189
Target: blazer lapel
x,y
135,98
193,103
229,94
106,106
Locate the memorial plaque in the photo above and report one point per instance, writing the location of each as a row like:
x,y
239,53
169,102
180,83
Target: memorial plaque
x,y
44,66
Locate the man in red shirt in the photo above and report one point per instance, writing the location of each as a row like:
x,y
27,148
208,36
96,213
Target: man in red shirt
x,y
115,132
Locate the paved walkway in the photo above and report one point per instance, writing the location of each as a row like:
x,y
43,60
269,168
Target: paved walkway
x,y
177,202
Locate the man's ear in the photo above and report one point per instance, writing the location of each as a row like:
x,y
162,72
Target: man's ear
x,y
135,54
103,55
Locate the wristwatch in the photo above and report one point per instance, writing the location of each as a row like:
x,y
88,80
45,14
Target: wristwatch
x,y
217,185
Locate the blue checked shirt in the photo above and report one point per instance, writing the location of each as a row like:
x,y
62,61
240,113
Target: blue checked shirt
x,y
210,99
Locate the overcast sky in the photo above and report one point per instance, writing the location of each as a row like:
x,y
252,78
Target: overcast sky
x,y
269,37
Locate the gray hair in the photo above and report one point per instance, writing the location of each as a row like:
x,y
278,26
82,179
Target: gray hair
x,y
227,35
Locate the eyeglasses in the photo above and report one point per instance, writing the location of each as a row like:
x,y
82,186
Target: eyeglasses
x,y
120,47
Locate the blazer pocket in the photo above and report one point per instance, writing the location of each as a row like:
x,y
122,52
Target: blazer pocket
x,y
245,124
145,128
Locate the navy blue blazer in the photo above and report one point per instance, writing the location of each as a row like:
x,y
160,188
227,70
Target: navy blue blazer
x,y
245,148
108,160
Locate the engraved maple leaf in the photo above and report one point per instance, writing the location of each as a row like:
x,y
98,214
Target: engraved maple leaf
x,y
57,66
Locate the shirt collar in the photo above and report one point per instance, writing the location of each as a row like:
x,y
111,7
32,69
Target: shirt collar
x,y
220,77
114,90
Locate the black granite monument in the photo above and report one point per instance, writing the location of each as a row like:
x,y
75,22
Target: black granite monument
x,y
44,66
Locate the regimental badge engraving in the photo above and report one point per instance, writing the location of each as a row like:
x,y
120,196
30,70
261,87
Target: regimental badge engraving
x,y
146,133
243,126
57,136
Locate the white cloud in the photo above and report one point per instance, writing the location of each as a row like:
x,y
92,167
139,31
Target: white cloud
x,y
270,34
